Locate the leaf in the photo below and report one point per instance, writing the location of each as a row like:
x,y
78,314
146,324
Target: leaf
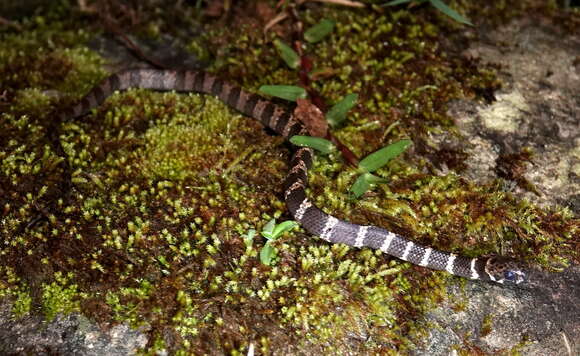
x,y
317,143
268,229
287,92
365,182
319,31
396,2
287,53
373,179
322,73
440,5
163,261
381,157
311,116
267,253
248,237
360,186
336,115
283,227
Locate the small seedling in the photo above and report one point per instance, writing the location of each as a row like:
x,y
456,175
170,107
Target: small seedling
x,y
320,144
286,92
439,5
292,59
272,232
288,54
249,237
373,162
319,31
336,115
366,166
165,265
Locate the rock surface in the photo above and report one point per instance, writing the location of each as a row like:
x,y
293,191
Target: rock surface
x,y
539,107
72,334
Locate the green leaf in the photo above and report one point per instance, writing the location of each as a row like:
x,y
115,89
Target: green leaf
x,y
267,253
319,31
440,5
268,229
336,115
163,261
373,179
286,92
283,227
381,157
360,186
287,53
365,182
249,237
396,2
317,143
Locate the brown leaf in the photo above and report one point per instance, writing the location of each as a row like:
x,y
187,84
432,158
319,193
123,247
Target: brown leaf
x,y
214,8
311,117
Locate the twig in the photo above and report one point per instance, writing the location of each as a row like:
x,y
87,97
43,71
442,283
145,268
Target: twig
x,y
279,18
9,23
138,52
127,42
343,2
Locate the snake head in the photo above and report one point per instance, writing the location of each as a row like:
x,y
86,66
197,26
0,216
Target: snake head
x,y
505,270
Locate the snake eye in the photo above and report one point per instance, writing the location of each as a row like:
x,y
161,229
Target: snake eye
x,y
510,276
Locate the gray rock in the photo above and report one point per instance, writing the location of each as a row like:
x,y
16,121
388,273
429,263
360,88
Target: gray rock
x,y
541,320
539,107
72,334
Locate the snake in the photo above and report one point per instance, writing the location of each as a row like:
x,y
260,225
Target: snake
x,y
282,121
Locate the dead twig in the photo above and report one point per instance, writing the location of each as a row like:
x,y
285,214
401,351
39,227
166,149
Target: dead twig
x,y
343,3
279,18
9,23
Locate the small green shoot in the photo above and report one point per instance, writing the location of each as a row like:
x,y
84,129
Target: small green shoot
x,y
319,31
373,162
286,92
163,262
272,232
336,115
439,5
320,144
249,237
381,157
364,183
399,2
287,53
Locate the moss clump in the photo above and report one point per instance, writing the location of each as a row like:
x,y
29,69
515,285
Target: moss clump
x,y
164,188
60,296
11,287
486,326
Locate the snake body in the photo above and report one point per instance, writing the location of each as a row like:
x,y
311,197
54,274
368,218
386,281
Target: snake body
x,y
313,219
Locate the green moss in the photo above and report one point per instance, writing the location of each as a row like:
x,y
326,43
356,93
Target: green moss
x,y
11,287
486,326
60,296
185,145
22,304
165,187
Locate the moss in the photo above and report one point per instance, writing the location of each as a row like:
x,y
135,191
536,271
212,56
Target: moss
x,y
22,304
60,296
166,186
12,288
486,326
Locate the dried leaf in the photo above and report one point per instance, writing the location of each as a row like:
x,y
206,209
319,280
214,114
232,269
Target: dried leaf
x,y
311,117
